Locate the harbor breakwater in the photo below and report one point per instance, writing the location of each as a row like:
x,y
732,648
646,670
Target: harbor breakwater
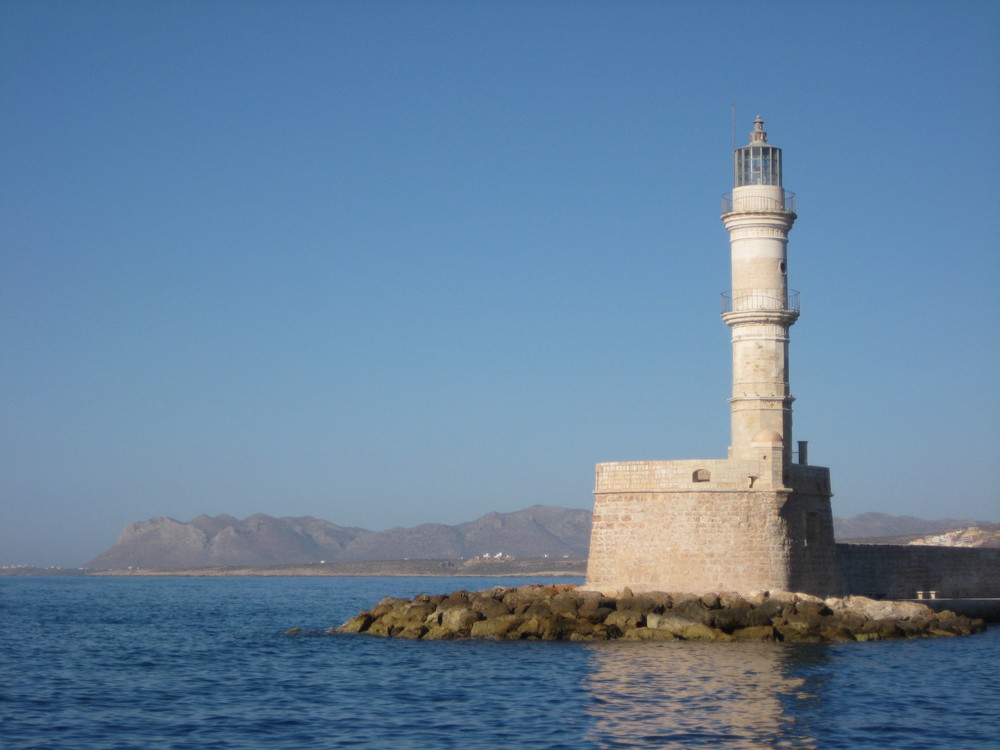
x,y
567,612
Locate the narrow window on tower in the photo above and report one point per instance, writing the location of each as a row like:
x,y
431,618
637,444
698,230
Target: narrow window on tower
x,y
811,527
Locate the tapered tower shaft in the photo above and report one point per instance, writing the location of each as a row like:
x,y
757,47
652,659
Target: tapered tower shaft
x,y
759,308
752,521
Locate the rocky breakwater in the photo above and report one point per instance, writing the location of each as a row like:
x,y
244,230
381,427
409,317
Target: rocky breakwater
x,y
566,612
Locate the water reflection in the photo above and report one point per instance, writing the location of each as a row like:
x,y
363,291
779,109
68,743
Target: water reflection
x,y
657,695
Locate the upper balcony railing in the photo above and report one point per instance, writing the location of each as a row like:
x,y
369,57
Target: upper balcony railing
x,y
750,301
785,204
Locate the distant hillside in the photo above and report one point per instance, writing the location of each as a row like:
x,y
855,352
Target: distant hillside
x,y
980,535
263,540
541,530
870,526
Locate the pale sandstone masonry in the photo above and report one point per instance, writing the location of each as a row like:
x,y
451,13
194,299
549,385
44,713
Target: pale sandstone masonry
x,y
755,520
657,528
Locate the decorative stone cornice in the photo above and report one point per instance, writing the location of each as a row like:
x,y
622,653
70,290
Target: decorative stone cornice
x,y
773,317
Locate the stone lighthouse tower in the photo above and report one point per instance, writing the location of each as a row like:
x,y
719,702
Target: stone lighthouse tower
x,y
760,309
754,520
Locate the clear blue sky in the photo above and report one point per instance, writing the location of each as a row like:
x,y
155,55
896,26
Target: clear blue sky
x,y
387,263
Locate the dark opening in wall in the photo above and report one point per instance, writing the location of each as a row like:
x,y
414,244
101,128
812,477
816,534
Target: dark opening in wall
x,y
811,530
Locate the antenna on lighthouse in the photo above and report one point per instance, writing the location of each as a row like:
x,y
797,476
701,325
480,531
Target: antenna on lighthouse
x,y
734,123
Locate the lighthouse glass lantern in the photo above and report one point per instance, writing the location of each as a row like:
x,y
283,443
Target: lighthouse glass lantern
x,y
757,163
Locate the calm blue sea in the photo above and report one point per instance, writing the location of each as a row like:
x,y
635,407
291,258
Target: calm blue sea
x,y
204,663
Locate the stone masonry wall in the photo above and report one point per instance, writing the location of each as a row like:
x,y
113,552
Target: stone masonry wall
x,y
698,542
899,571
708,525
687,541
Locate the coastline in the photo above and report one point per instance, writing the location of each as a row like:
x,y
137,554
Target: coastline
x,y
543,567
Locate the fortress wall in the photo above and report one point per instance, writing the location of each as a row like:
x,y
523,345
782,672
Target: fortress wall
x,y
686,541
704,541
653,476
899,571
812,560
697,526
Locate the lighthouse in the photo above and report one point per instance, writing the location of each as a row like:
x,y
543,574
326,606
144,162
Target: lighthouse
x,y
759,308
753,520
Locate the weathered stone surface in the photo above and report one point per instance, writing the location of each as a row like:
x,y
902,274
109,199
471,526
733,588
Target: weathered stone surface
x,y
358,624
565,612
626,619
755,633
669,622
490,607
460,619
496,627
699,632
692,608
732,616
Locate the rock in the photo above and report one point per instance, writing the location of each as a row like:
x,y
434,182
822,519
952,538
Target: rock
x,y
882,628
671,623
800,627
564,612
496,627
411,630
458,599
734,615
389,604
769,608
358,624
812,608
639,604
700,632
595,616
460,619
437,633
379,627
490,607
755,633
626,619
711,601
565,603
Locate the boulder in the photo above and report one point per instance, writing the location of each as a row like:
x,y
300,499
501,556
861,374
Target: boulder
x,y
496,627
734,615
460,619
692,608
490,607
358,624
565,612
755,633
671,623
626,619
700,632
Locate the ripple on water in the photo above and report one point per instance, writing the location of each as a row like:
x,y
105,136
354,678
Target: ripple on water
x,y
181,663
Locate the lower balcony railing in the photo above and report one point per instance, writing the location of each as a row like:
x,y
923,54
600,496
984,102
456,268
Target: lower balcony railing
x,y
740,301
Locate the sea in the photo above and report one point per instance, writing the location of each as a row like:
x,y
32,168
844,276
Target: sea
x,y
199,663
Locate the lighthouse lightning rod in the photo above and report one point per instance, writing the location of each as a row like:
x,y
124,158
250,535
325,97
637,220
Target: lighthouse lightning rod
x,y
734,123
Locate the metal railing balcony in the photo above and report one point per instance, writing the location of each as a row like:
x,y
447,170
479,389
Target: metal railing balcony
x,y
785,204
740,301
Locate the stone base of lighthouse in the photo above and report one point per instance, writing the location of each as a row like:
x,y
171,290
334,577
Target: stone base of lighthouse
x,y
709,526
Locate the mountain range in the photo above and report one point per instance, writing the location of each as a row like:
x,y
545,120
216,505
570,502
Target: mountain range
x,y
209,541
538,531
